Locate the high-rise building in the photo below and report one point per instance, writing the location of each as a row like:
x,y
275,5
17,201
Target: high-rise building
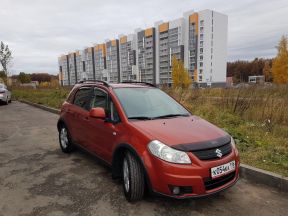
x,y
100,62
112,61
63,70
146,48
170,44
88,63
198,39
127,53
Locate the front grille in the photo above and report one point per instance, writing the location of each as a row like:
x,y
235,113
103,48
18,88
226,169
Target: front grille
x,y
210,154
218,182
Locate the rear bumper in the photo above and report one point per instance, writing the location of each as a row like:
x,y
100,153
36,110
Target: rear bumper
x,y
196,176
3,97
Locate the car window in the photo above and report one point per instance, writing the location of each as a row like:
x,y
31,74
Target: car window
x,y
83,97
100,99
148,102
113,113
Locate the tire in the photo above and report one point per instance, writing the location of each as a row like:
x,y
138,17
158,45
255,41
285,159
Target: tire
x,y
65,140
133,178
7,101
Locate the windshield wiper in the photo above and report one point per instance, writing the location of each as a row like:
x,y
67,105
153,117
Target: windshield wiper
x,y
140,117
170,116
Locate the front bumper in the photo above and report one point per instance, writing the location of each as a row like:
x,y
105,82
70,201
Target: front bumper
x,y
196,176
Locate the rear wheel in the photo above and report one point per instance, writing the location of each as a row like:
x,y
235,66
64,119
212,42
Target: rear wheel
x,y
133,178
64,140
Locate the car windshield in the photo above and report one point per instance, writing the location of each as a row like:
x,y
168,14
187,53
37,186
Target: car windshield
x,y
1,86
148,103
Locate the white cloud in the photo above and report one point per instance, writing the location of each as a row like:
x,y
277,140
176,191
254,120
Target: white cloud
x,y
38,31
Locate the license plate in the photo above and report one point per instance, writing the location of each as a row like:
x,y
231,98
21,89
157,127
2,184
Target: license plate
x,y
222,169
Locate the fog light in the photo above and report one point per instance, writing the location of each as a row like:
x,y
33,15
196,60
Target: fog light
x,y
176,190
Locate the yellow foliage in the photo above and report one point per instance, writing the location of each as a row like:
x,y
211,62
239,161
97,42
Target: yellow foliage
x,y
44,84
54,83
180,75
280,63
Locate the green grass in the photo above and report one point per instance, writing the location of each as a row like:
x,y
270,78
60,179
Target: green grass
x,y
49,97
257,146
260,128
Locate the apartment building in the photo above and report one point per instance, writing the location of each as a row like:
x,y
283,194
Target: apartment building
x,y
127,52
112,61
146,49
63,70
100,62
88,63
170,37
198,39
212,48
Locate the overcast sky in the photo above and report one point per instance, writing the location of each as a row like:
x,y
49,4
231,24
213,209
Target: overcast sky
x,y
38,31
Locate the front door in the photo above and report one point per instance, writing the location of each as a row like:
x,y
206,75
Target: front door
x,y
103,133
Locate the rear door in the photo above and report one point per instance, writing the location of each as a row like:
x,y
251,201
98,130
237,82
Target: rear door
x,y
79,113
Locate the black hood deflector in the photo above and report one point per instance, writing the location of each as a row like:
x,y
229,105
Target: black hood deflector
x,y
203,145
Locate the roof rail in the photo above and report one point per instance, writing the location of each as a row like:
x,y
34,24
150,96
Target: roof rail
x,y
135,82
94,81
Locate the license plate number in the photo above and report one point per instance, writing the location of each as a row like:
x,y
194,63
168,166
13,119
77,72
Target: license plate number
x,y
222,169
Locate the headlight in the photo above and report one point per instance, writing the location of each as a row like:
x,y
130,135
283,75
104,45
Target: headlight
x,y
168,154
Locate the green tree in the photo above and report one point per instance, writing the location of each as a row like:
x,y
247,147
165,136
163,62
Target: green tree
x,y
24,78
2,76
5,57
180,75
280,63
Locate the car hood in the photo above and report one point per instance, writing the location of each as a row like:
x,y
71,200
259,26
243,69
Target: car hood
x,y
184,133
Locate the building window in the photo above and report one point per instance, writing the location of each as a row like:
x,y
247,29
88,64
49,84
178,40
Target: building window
x,y
83,65
201,36
200,71
200,78
201,57
201,22
201,30
201,64
201,43
201,50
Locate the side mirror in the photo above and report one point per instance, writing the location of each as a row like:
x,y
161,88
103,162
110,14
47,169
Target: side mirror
x,y
97,112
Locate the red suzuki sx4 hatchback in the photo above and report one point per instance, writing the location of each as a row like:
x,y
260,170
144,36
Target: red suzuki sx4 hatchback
x,y
148,139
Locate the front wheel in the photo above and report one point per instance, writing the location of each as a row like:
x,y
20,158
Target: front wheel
x,y
133,178
64,140
7,101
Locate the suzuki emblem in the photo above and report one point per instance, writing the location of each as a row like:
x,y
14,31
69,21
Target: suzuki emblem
x,y
218,153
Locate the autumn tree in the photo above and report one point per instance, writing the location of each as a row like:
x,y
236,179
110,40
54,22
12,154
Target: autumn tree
x,y
280,63
180,75
267,72
24,78
5,57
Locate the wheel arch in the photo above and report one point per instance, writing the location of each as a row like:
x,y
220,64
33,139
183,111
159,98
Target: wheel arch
x,y
60,122
118,156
